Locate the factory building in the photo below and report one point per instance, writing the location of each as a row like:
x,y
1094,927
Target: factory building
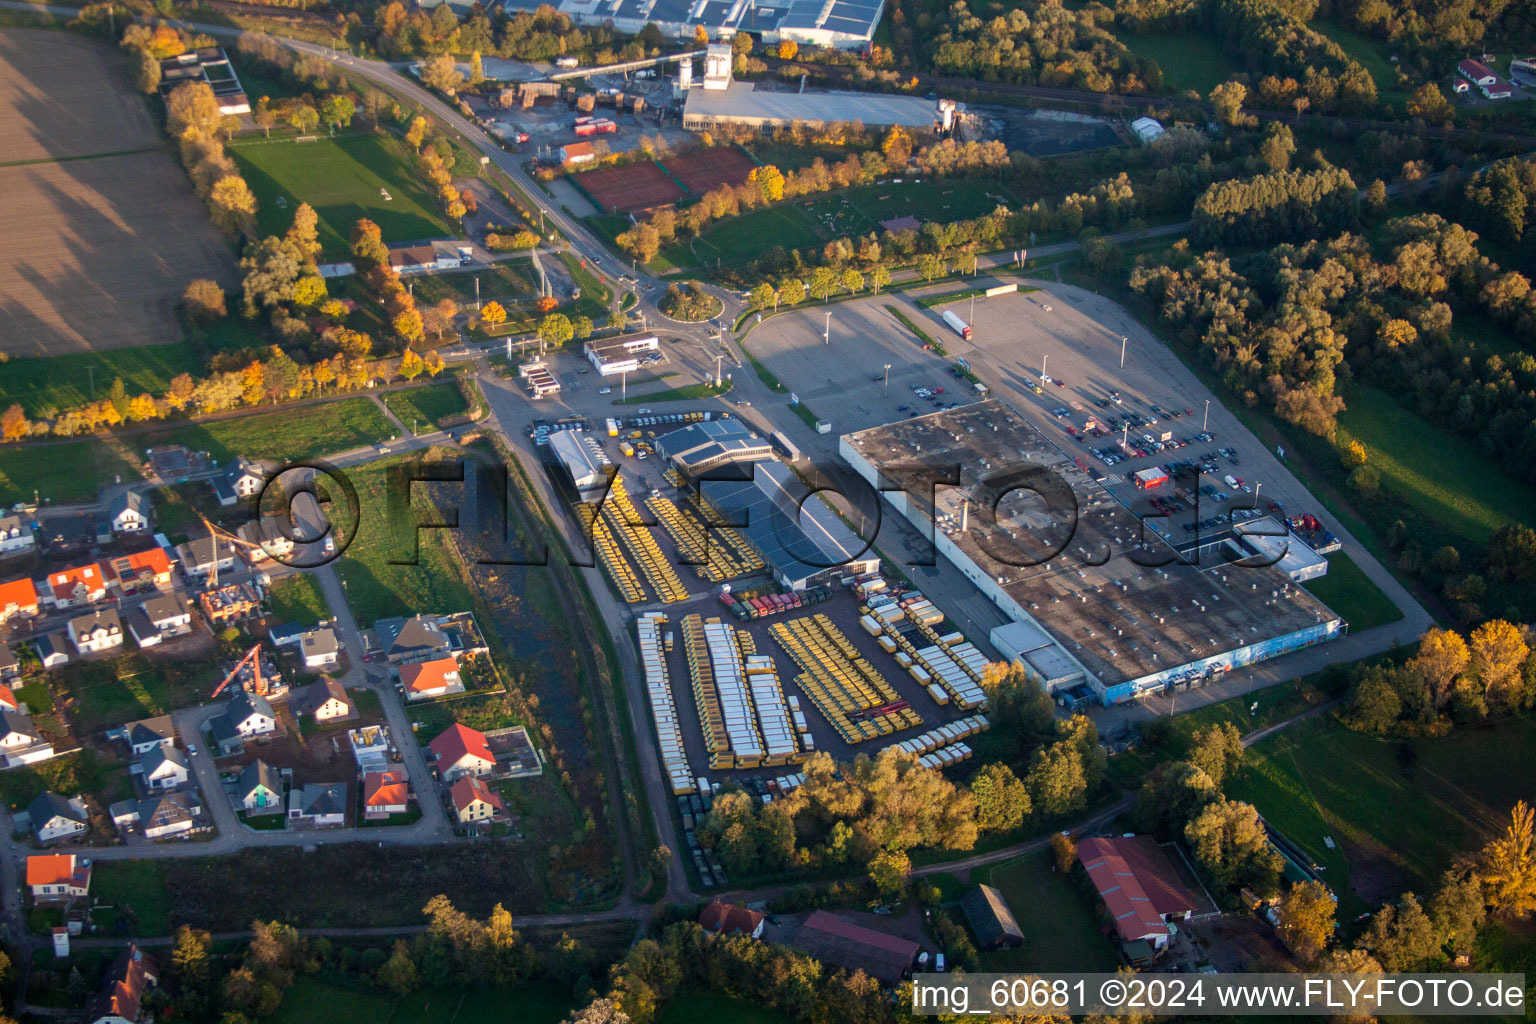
x,y
843,24
720,100
614,356
1100,604
802,540
583,460
700,447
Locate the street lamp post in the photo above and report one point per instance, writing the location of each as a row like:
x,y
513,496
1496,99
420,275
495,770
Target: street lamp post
x,y
826,335
1207,419
1043,360
887,376
624,385
1122,351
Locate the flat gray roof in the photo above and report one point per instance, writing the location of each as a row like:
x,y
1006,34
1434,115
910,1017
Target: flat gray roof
x,y
744,101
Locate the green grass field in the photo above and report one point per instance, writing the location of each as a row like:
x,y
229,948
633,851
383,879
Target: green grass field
x,y
1440,474
375,588
343,999
61,473
1188,61
1348,591
1399,810
306,433
297,598
344,179
747,237
685,393
137,884
424,409
1066,933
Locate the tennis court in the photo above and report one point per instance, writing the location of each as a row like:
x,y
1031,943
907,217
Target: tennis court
x,y
629,187
710,167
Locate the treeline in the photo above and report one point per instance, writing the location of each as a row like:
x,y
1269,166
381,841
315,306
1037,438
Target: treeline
x,y
543,34
1034,43
767,184
1451,679
1278,206
1296,67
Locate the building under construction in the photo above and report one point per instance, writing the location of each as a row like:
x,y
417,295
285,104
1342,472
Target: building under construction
x,y
1094,599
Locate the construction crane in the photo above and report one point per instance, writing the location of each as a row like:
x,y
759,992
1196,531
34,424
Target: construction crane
x,y
254,657
214,533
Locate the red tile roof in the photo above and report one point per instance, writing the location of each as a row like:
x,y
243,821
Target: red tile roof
x,y
152,560
1475,69
1136,883
385,789
426,676
64,583
21,593
8,699
458,740
469,789
51,869
728,918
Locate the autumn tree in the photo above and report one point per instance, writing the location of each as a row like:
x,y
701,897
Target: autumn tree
x,y
337,111
1002,802
770,182
1218,751
398,973
204,301
493,315
1457,909
146,73
13,423
411,365
1064,850
441,73
1228,838
1496,654
368,248
555,330
192,105
1512,553
1307,919
1508,865
1401,936
1228,99
888,870
788,49
1441,658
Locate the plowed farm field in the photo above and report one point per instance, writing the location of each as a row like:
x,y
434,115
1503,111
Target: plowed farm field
x,y
102,231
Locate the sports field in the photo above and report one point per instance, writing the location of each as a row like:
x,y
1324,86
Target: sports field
x,y
102,230
629,187
344,178
703,169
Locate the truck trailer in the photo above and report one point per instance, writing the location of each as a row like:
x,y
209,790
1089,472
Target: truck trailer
x,y
957,325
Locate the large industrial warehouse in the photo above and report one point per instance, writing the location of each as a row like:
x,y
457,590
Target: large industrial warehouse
x,y
1052,549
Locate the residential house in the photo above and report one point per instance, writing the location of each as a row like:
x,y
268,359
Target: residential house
x,y
121,998
158,619
73,588
318,805
52,649
474,801
231,603
225,737
58,877
730,919
129,512
160,815
574,154
17,598
270,539
370,748
462,751
418,638
140,571
99,631
146,734
241,479
200,556
260,789
164,767
10,669
53,817
327,700
385,793
319,647
15,536
1476,72
251,714
16,732
423,680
